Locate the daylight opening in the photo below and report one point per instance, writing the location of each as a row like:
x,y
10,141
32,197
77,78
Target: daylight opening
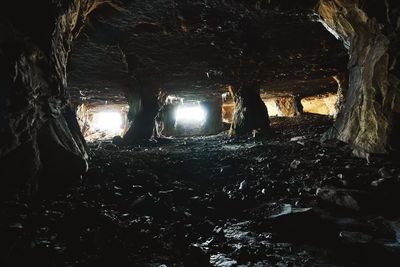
x,y
102,122
109,121
190,114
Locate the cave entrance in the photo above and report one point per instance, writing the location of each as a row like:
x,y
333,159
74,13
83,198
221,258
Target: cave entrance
x,y
179,117
190,115
102,121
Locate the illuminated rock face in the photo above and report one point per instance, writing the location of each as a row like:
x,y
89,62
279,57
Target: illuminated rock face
x,y
323,104
370,117
250,111
286,106
282,106
227,112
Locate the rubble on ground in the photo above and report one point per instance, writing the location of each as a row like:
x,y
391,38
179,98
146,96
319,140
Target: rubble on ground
x,y
215,201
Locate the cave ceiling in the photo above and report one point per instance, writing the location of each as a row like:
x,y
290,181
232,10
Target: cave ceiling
x,y
195,48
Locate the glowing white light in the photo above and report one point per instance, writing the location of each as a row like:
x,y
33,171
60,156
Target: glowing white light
x,y
190,114
109,121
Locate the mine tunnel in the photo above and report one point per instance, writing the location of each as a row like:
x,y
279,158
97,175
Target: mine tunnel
x,y
200,133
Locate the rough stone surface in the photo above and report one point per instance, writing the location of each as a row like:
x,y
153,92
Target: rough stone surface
x,y
250,111
62,151
326,104
34,46
143,109
370,30
287,106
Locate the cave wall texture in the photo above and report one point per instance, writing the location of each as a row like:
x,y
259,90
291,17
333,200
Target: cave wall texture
x,y
38,130
370,116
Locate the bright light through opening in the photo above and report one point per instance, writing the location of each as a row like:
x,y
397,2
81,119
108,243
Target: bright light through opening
x,y
190,114
108,121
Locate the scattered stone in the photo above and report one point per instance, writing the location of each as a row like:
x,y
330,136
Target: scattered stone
x,y
287,209
110,146
389,185
176,210
221,260
301,143
378,182
263,191
384,173
295,164
243,185
118,141
297,138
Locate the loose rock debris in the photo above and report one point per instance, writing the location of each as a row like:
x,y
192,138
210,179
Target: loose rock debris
x,y
213,201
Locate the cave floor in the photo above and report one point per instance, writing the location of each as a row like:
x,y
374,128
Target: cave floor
x,y
287,200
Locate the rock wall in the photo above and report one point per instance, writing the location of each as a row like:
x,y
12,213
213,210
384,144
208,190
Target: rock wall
x,y
287,106
227,112
143,109
322,104
35,121
250,111
370,30
213,124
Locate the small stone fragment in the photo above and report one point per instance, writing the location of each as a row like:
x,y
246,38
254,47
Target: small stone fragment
x,y
295,164
384,173
243,185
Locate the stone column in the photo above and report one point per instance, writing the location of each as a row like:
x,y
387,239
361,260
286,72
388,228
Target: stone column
x,y
250,111
143,109
298,107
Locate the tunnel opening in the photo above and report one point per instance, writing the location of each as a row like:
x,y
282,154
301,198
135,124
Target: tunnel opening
x,y
101,121
189,114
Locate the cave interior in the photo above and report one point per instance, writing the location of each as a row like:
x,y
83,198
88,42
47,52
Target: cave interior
x,y
200,133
